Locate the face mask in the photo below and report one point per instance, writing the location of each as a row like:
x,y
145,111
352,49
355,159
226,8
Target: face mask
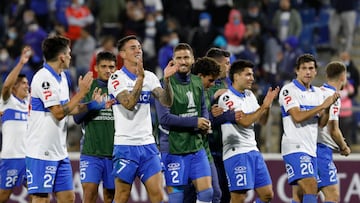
x,y
204,23
81,2
150,23
236,21
174,42
12,35
150,32
33,27
159,18
28,20
4,56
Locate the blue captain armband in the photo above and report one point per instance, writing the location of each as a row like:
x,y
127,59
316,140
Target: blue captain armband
x,y
94,105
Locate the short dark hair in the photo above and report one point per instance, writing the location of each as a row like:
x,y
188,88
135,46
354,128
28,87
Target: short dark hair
x,y
206,66
20,77
105,55
120,44
216,53
238,66
183,46
53,46
304,59
334,69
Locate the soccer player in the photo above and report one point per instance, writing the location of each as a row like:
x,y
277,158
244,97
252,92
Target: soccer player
x,y
208,70
330,137
244,164
98,140
304,109
185,123
135,152
48,166
219,116
14,107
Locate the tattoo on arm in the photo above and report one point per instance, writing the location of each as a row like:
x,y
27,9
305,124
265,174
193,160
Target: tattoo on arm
x,y
165,95
130,99
65,109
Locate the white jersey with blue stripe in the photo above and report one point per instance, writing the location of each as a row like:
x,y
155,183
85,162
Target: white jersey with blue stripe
x,y
324,136
299,137
14,124
236,138
132,127
46,138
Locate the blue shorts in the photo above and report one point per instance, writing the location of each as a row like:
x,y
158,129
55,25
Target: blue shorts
x,y
247,171
95,169
12,173
48,176
179,169
299,166
131,161
327,172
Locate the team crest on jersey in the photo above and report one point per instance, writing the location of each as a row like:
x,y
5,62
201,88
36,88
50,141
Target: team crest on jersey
x,y
45,85
286,93
114,76
226,98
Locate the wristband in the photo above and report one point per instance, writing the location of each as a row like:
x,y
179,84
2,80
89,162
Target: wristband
x,y
94,105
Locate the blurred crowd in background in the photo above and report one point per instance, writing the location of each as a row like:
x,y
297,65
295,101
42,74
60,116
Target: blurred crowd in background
x,y
270,33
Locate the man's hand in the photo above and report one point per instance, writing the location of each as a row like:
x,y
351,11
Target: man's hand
x,y
170,69
330,100
270,96
204,124
345,151
239,115
140,72
25,55
216,110
85,82
219,92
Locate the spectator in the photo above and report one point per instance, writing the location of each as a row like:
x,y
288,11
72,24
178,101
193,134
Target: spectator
x,y
13,42
235,32
107,44
78,16
287,21
346,121
287,60
166,52
135,17
83,49
34,38
6,63
343,15
41,9
204,35
149,44
110,15
352,72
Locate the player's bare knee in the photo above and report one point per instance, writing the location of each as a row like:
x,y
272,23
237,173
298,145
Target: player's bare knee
x,y
267,197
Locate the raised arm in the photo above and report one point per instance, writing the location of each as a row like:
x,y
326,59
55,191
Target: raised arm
x,y
13,75
165,95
